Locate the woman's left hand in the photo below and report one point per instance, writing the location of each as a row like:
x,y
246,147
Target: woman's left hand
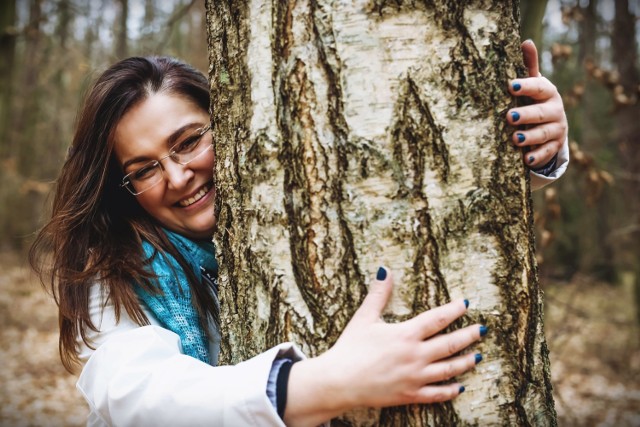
x,y
546,123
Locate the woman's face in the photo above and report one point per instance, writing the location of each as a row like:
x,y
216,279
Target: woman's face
x,y
183,201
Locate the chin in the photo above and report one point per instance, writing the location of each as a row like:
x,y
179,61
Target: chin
x,y
203,232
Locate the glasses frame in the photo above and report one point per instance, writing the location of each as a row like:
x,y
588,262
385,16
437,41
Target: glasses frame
x,y
126,182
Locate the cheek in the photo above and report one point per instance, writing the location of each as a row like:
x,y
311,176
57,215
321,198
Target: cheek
x,y
208,162
150,202
204,163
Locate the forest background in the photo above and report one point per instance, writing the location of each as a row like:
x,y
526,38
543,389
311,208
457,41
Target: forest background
x,y
587,224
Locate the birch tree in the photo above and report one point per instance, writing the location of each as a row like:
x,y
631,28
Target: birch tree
x,y
350,134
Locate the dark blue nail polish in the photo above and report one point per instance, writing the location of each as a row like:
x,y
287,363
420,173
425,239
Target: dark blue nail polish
x,y
382,274
483,330
478,358
531,159
521,137
516,87
461,389
466,303
515,116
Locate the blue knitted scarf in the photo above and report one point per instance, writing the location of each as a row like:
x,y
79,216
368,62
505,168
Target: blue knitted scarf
x,y
173,307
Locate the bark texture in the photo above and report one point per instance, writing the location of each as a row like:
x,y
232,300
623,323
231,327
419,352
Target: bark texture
x,y
354,134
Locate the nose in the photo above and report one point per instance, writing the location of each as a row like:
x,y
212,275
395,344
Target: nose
x,y
178,176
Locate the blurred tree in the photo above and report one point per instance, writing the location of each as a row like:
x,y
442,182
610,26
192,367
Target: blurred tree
x,y
147,36
171,36
28,116
122,36
531,20
19,205
8,33
347,137
627,122
58,88
597,250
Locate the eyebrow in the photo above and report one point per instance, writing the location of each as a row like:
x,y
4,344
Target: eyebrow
x,y
171,139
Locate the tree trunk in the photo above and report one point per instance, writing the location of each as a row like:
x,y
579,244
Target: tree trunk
x,y
628,129
122,38
147,38
28,116
596,253
354,134
531,20
55,147
8,32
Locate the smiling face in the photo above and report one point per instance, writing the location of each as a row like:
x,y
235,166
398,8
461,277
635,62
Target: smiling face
x,y
183,200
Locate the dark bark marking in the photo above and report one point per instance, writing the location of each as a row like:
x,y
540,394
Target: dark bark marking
x,y
353,279
418,145
418,138
282,37
293,113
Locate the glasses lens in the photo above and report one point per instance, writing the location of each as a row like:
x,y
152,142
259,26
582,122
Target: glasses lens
x,y
192,146
143,178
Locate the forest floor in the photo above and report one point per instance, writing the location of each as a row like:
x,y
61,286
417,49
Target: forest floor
x,y
593,338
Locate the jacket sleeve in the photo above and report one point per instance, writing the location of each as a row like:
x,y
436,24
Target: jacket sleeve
x,y
137,376
538,181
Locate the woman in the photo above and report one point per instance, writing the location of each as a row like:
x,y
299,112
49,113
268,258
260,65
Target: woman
x,y
133,271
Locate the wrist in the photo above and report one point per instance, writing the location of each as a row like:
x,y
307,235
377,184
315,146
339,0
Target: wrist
x,y
316,392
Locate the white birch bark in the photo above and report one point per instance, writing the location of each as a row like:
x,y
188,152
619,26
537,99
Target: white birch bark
x,y
351,134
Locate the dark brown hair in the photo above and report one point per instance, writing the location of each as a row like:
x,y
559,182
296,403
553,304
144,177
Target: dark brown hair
x,y
97,227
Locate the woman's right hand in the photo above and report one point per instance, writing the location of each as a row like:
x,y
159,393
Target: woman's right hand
x,y
378,364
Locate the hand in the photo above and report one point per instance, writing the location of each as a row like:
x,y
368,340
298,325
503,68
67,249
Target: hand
x,y
546,120
378,364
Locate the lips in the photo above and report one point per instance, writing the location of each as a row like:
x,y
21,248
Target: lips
x,y
199,195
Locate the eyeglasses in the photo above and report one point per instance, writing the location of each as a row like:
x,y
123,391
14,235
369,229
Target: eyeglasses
x,y
152,173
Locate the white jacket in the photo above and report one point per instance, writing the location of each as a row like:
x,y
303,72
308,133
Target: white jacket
x,y
138,376
562,162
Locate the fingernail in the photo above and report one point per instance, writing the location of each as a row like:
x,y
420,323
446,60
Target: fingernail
x,y
521,138
478,358
531,159
483,330
382,274
466,303
461,389
515,116
516,87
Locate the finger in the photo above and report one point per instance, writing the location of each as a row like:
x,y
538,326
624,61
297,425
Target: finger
x,y
444,346
534,114
450,368
538,135
537,88
530,57
437,393
542,154
433,321
378,296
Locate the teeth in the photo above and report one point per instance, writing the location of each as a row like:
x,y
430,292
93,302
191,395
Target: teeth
x,y
199,195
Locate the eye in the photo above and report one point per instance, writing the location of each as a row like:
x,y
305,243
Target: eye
x,y
145,172
188,143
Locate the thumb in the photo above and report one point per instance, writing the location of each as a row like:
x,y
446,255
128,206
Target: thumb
x,y
378,296
530,58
